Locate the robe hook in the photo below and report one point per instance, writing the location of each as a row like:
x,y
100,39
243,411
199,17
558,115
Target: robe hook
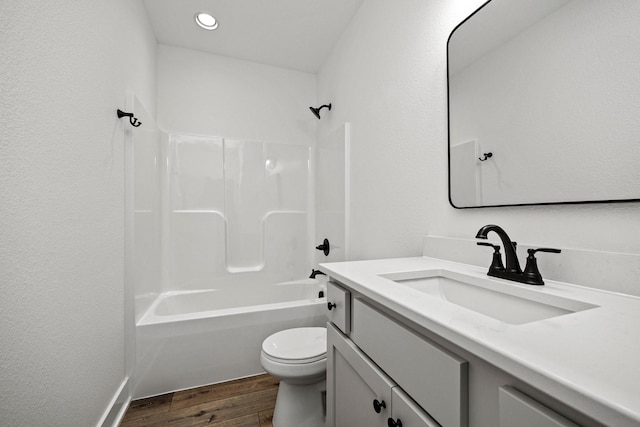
x,y
486,156
134,122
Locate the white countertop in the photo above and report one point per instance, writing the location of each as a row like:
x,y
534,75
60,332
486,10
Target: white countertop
x,y
589,360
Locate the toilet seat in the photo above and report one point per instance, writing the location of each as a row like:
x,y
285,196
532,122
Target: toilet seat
x,y
296,346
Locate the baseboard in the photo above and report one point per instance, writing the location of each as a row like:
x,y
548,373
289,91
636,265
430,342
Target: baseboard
x,y
117,406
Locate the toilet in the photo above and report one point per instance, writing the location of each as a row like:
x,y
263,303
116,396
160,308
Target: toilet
x,y
298,358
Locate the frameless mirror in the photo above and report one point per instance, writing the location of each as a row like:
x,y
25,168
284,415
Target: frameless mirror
x,y
544,103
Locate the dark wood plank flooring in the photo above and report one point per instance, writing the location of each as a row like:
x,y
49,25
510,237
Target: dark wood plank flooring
x,y
246,402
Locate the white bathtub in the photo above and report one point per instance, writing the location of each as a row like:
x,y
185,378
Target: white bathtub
x,y
189,339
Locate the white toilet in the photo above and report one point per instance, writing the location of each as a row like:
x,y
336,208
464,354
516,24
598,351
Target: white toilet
x,y
298,358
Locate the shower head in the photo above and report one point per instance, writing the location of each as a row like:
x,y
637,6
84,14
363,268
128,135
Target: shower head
x,y
316,111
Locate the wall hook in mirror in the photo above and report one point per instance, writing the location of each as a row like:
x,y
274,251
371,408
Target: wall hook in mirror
x,y
134,122
485,157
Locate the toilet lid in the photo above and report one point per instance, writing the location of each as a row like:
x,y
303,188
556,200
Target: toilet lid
x,y
298,345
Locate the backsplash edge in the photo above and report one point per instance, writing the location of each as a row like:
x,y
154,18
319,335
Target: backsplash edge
x,y
609,271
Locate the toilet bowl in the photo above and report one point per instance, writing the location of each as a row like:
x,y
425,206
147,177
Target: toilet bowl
x,y
298,358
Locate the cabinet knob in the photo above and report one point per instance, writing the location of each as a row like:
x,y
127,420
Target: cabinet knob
x,y
394,423
378,405
330,306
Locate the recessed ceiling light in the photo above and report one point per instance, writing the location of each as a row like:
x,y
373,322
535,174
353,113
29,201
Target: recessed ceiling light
x,y
206,21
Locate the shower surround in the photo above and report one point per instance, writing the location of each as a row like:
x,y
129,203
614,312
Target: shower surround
x,y
235,208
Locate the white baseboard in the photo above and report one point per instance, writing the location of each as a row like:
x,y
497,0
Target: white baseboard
x,y
117,406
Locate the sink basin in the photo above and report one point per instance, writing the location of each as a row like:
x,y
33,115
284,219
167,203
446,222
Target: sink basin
x,y
509,303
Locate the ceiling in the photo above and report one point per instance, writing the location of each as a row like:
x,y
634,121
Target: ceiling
x,y
293,34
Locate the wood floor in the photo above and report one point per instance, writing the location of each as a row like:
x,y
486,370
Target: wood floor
x,y
247,402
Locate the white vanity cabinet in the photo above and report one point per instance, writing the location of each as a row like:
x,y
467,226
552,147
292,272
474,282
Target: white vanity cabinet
x,y
433,376
359,393
382,374
516,409
339,306
405,412
420,379
353,384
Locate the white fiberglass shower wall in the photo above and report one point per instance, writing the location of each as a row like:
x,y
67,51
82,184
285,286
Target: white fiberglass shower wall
x,y
237,213
233,176
237,186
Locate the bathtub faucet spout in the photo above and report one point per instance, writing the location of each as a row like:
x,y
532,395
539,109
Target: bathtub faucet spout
x,y
314,273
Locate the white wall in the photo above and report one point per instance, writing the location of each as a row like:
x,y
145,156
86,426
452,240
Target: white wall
x,y
204,94
66,67
389,81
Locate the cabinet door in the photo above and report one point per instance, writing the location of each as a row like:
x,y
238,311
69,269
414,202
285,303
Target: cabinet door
x,y
519,410
433,376
406,413
353,384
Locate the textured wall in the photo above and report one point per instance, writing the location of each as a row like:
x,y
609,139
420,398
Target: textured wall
x,y
389,81
204,94
66,67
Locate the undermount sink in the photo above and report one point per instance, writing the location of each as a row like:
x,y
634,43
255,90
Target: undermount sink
x,y
509,303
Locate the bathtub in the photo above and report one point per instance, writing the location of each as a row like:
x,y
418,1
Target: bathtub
x,y
193,338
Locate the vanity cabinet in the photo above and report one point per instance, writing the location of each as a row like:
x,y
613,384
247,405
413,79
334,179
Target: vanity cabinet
x,y
359,393
405,412
353,385
339,306
420,379
380,373
516,409
434,377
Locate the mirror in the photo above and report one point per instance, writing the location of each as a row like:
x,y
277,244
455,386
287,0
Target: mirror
x,y
544,103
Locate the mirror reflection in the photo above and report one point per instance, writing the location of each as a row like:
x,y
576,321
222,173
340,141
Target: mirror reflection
x,y
544,103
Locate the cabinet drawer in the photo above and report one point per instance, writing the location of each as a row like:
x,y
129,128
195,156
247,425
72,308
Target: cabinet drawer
x,y
340,313
519,410
433,376
404,409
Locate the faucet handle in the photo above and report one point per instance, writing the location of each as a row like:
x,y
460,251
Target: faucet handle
x,y
496,262
533,251
531,272
496,247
